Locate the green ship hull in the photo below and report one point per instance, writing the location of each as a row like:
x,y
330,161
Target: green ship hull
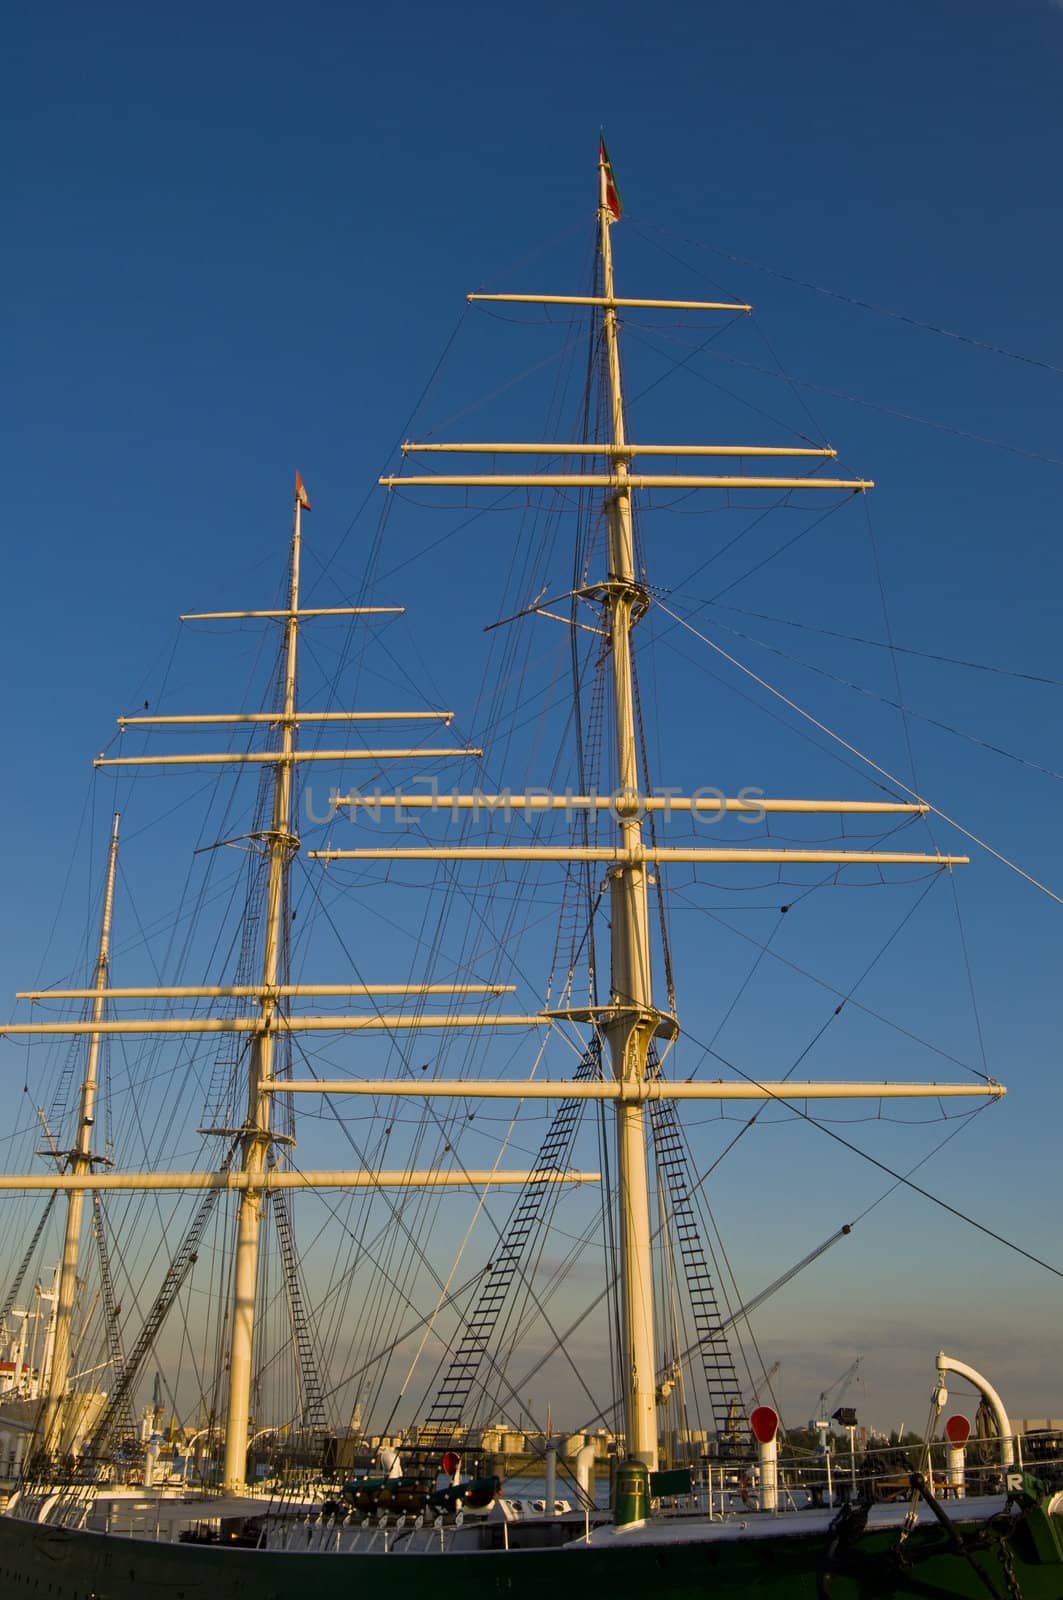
x,y
777,1563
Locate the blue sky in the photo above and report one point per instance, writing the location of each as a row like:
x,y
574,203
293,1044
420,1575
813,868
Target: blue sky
x,y
239,238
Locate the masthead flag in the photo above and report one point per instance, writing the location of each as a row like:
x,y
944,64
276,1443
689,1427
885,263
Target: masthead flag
x,y
611,192
301,496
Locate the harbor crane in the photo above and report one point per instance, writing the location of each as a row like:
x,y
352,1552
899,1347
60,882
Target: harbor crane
x,y
837,1392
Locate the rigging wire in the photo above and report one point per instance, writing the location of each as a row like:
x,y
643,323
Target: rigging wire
x,y
757,566
881,644
888,629
894,705
983,844
682,363
330,559
849,300
433,1117
883,1166
804,972
934,423
816,1037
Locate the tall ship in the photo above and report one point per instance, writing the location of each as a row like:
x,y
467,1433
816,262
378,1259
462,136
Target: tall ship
x,y
394,1106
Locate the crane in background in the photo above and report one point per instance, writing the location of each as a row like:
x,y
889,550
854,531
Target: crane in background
x,y
763,1387
836,1392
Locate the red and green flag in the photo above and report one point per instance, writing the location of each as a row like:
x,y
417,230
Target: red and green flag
x,y
612,193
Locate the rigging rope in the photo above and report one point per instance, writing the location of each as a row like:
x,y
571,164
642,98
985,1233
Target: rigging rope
x,y
894,705
875,405
983,844
881,644
899,1177
851,300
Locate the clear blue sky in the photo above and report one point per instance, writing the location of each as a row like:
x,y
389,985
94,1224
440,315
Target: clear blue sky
x,y
238,238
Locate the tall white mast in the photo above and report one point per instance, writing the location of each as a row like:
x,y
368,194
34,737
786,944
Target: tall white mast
x,y
80,1163
630,1020
281,844
630,1034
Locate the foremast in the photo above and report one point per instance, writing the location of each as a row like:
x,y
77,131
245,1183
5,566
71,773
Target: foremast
x,y
80,1163
281,844
257,1172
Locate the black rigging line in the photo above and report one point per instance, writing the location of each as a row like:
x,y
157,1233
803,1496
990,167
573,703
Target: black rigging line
x,y
837,738
895,665
852,300
969,969
928,822
962,1123
883,1166
894,705
452,1299
889,411
898,649
372,490
675,365
24,1264
682,363
742,1314
784,373
818,1035
677,588
436,1121
847,999
759,706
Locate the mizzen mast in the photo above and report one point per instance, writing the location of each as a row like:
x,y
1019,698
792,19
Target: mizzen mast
x,y
80,1164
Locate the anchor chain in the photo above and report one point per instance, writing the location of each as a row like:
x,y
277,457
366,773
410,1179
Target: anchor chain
x,y
1007,1562
843,1558
845,1529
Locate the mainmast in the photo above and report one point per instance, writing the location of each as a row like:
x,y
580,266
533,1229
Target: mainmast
x,y
80,1161
281,844
634,1022
629,1021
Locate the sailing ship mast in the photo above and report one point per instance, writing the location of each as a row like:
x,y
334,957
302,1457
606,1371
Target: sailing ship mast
x,y
631,1031
256,1174
630,1021
80,1162
281,845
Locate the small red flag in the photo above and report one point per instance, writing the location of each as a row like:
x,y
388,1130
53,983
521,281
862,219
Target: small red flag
x,y
612,193
301,496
